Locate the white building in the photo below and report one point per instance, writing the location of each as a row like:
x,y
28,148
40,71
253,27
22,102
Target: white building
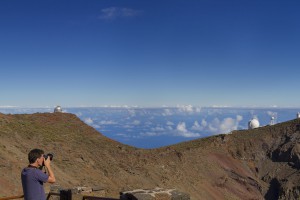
x,y
253,123
58,109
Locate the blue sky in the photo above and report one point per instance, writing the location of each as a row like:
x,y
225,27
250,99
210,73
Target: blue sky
x,y
149,53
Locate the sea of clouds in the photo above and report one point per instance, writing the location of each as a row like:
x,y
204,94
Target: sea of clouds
x,y
156,127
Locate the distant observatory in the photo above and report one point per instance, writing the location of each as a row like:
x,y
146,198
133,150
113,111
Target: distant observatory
x,y
253,123
298,115
272,122
57,109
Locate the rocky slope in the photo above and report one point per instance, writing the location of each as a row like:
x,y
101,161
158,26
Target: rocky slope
x,y
249,164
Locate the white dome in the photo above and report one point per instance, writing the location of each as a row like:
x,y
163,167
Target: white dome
x,y
57,109
272,118
298,115
254,123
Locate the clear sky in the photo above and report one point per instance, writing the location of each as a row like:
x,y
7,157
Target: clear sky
x,y
149,53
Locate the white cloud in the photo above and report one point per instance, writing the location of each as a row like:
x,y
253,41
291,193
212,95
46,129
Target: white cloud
x,y
189,109
116,12
78,114
197,109
117,106
158,128
213,129
182,131
123,135
148,124
150,134
196,126
239,118
190,134
203,123
186,108
181,127
199,127
131,112
169,123
96,126
167,112
88,121
107,122
127,126
225,126
136,122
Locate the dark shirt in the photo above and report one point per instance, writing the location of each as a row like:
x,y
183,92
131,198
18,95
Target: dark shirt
x,y
32,182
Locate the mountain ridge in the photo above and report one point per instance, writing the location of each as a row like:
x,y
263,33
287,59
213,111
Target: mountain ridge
x,y
246,164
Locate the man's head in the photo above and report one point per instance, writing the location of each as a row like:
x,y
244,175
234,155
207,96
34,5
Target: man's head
x,y
34,155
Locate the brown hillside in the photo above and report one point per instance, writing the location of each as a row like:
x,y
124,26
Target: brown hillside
x,y
252,164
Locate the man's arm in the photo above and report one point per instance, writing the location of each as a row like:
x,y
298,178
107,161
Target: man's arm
x,y
51,178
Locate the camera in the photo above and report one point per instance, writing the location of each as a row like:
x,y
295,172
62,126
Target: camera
x,y
48,155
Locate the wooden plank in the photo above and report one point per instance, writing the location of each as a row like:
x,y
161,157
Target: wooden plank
x,y
13,197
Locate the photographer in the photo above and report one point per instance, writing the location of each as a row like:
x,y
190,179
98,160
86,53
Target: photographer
x,y
33,177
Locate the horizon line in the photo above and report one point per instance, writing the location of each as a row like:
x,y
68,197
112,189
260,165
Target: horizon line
x,y
163,106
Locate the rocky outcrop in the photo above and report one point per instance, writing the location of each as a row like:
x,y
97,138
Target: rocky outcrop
x,y
154,194
273,154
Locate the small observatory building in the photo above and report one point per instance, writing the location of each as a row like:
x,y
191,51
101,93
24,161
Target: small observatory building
x,y
253,123
57,109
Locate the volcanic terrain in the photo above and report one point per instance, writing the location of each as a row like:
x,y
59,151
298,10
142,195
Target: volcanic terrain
x,y
262,163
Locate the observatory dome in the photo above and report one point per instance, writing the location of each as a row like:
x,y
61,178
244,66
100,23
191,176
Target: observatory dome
x,y
298,115
253,123
57,109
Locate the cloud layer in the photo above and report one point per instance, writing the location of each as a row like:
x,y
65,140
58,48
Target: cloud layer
x,y
138,126
112,13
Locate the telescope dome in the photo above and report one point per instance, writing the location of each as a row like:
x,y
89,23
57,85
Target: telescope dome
x,y
57,109
254,123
